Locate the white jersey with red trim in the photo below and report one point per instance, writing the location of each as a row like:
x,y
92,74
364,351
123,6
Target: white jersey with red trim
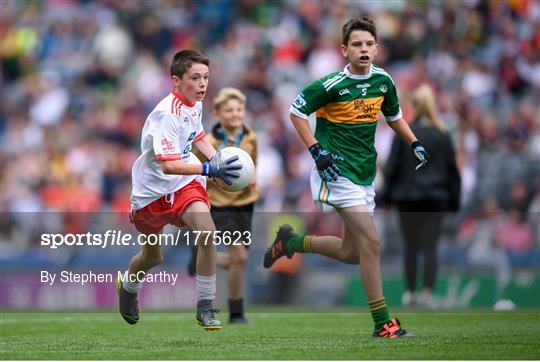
x,y
168,134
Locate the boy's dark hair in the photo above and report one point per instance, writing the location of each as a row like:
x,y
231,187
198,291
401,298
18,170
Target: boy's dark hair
x,y
366,24
184,59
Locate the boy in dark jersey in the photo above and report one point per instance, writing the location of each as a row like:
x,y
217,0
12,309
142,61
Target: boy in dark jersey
x,y
347,104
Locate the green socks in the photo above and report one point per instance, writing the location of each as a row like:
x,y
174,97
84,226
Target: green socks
x,y
379,312
299,244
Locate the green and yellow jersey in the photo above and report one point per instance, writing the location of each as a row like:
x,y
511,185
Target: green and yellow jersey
x,y
347,108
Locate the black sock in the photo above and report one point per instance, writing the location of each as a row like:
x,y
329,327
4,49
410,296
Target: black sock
x,y
236,307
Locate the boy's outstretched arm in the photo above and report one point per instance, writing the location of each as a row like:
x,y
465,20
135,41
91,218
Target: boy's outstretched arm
x,y
403,130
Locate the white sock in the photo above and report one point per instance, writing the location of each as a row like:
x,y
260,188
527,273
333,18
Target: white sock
x,y
206,287
131,287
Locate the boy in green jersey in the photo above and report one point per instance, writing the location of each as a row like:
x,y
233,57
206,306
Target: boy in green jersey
x,y
347,104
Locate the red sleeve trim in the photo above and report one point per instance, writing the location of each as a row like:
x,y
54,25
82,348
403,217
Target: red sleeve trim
x,y
200,136
168,157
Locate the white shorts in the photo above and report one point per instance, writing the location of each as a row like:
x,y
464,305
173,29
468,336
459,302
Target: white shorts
x,y
341,193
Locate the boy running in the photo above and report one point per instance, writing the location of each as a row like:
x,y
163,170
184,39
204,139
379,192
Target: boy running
x,y
168,187
347,104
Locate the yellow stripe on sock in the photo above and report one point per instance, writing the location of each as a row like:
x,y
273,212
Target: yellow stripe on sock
x,y
307,243
376,303
372,309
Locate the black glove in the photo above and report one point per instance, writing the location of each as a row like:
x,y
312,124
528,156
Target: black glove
x,y
224,169
325,162
420,154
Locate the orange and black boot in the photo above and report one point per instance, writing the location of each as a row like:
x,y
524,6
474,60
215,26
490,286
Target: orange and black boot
x,y
279,246
392,329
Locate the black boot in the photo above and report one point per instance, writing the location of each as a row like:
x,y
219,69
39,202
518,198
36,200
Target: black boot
x,y
236,310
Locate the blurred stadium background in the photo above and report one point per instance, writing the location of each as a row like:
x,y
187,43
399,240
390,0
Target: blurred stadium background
x,y
79,77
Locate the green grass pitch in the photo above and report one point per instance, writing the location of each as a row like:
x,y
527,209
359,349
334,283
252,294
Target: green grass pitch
x,y
277,335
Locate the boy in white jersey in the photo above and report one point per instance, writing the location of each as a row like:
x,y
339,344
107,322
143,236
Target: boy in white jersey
x,y
169,187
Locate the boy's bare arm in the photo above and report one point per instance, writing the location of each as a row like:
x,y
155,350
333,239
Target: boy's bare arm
x,y
403,130
178,167
302,127
205,147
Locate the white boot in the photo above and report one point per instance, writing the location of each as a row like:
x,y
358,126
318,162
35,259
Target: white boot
x,y
408,299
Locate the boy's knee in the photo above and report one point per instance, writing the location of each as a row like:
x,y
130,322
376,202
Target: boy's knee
x,y
203,224
240,259
372,245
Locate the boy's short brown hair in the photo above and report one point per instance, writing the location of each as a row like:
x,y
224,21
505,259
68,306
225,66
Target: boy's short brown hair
x,y
365,24
228,93
184,59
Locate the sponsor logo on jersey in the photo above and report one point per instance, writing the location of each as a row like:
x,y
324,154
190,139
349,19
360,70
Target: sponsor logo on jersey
x,y
361,110
363,85
299,101
383,88
367,109
167,145
344,91
187,149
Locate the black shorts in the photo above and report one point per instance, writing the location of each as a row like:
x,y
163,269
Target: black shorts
x,y
233,219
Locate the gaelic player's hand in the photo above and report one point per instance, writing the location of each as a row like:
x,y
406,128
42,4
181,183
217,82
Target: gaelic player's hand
x,y
325,162
224,169
420,154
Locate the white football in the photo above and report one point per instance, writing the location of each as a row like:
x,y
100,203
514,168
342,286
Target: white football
x,y
246,172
